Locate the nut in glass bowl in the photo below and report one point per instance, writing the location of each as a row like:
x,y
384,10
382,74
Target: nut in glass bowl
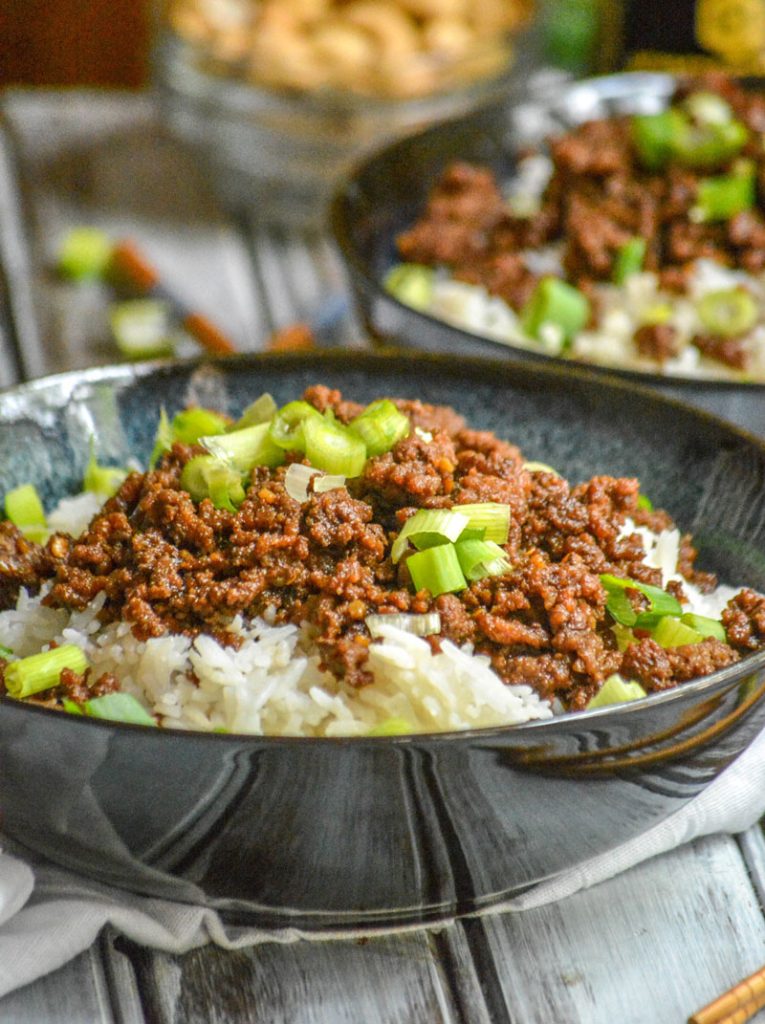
x,y
280,97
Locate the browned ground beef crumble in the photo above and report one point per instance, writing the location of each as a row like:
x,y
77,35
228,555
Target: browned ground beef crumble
x,y
598,199
166,564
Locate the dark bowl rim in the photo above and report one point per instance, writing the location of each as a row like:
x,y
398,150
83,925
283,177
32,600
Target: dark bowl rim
x,y
339,225
117,373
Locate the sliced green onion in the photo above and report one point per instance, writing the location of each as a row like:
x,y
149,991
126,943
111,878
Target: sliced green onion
x,y
331,447
429,527
72,707
5,652
490,516
436,569
39,672
243,449
623,635
723,197
391,727
411,283
190,425
728,313
286,427
25,510
654,136
540,467
141,328
618,604
262,410
672,632
705,626
163,439
555,302
644,502
710,145
616,690
418,625
119,707
481,558
380,426
105,480
629,259
708,108
205,476
658,313
84,253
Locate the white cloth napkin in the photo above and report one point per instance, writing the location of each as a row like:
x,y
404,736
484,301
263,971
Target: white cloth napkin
x,y
48,915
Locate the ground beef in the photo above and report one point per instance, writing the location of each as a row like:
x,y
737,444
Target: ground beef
x,y
164,563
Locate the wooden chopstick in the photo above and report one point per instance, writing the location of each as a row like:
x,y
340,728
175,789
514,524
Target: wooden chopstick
x,y
129,265
737,1005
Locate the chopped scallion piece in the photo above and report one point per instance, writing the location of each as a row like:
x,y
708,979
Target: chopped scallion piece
x,y
84,253
616,690
205,476
645,503
119,707
705,626
245,448
673,632
262,410
654,136
436,569
539,467
163,439
5,652
490,516
105,480
189,425
333,448
38,672
723,197
629,259
410,283
623,635
141,328
708,108
72,707
618,604
391,727
429,527
25,510
555,302
481,558
728,312
380,426
709,145
286,427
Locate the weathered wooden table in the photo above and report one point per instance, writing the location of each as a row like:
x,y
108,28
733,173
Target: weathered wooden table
x,y
648,947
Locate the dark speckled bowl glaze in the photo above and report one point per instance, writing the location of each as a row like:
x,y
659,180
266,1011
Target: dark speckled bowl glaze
x,y
388,191
349,833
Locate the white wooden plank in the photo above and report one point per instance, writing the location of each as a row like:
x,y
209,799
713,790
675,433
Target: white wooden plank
x,y
75,994
128,177
380,981
654,944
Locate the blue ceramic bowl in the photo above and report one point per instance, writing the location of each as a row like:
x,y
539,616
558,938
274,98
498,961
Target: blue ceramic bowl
x,y
338,833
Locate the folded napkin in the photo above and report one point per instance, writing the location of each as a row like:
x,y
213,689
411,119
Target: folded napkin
x,y
48,915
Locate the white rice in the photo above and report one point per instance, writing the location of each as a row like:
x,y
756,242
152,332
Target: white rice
x,y
272,684
624,308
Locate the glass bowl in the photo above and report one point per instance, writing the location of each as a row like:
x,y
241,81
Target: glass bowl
x,y
276,132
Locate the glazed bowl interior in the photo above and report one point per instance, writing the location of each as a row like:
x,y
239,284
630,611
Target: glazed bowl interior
x,y
387,192
350,833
